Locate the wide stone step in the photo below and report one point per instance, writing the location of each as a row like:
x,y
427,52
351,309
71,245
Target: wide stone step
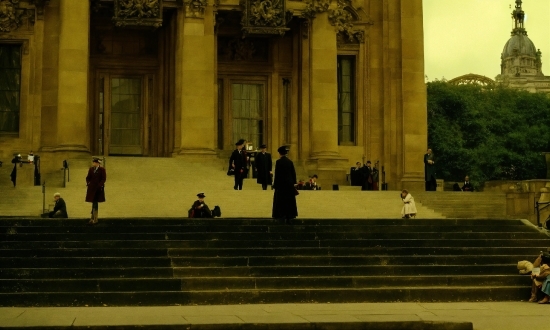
x,y
84,262
271,228
355,270
231,236
64,273
152,298
216,244
282,251
109,222
250,283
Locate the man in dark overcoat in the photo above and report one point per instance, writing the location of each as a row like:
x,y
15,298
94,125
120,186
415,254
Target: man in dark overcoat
x,y
264,167
284,198
429,171
238,164
95,180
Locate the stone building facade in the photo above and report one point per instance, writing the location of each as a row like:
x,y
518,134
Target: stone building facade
x,y
337,81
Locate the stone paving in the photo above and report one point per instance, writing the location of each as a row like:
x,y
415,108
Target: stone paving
x,y
483,315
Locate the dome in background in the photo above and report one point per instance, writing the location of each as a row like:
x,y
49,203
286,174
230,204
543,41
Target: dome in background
x,y
519,44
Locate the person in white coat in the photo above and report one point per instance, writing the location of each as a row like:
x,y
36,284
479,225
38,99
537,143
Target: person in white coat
x,y
409,207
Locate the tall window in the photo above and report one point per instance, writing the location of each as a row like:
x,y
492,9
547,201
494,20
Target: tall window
x,y
346,99
10,87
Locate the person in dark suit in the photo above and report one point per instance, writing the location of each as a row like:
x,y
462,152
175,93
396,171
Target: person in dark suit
x,y
467,185
356,175
312,183
284,198
264,167
429,171
367,176
238,164
201,210
60,208
95,180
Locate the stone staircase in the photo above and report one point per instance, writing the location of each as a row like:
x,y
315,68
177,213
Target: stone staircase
x,y
464,204
159,261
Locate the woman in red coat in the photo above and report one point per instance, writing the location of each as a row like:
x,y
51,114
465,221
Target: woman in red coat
x,y
95,180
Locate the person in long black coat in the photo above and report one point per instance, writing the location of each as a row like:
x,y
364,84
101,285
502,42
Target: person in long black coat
x,y
238,164
60,208
95,180
284,198
264,167
429,171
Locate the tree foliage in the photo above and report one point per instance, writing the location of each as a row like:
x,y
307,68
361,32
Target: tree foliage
x,y
492,133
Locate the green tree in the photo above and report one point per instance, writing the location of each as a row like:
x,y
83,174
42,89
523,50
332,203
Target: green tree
x,y
489,133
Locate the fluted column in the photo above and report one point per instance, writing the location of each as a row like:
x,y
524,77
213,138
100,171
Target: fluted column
x,y
72,109
324,88
195,63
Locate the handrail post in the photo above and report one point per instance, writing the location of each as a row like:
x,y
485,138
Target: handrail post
x,y
538,214
44,197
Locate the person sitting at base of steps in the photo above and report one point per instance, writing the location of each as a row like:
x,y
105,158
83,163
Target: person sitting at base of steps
x,y
540,279
409,207
201,210
60,208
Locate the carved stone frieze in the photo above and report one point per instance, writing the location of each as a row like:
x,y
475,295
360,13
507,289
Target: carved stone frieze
x,y
39,7
138,13
11,16
342,19
265,17
195,8
313,7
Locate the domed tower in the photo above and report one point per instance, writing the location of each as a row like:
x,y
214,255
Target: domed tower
x,y
519,57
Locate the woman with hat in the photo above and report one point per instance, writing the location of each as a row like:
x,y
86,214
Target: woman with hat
x,y
284,198
95,193
264,167
237,165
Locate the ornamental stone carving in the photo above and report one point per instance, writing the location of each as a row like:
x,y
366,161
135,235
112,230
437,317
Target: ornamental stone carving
x,y
138,13
341,19
195,8
10,15
265,17
313,7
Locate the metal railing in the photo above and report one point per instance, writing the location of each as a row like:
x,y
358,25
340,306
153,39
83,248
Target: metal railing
x,y
538,209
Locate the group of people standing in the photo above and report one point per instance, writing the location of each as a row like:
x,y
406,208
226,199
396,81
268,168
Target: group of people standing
x,y
364,176
283,183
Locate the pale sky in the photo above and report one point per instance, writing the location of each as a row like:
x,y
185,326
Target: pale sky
x,y
467,36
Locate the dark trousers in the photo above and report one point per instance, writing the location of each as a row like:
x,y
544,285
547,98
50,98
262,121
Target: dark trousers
x,y
431,185
264,186
238,180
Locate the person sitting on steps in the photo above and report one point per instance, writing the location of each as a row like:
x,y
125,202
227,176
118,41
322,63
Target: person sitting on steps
x,y
199,209
540,279
409,207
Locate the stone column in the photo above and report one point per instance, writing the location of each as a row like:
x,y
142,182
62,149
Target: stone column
x,y
72,109
415,122
324,88
196,71
324,158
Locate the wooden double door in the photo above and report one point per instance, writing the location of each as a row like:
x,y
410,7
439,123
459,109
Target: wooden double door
x,y
124,113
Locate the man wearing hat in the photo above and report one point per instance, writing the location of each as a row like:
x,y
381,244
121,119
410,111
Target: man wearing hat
x,y
284,198
238,164
201,210
264,167
95,180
